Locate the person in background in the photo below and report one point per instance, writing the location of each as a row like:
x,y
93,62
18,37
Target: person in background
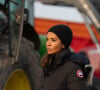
x,y
30,33
59,71
83,61
81,58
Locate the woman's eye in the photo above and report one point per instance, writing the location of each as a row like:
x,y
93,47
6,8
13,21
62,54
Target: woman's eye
x,y
53,40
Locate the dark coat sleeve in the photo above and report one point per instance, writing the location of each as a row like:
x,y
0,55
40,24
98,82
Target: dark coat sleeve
x,y
75,79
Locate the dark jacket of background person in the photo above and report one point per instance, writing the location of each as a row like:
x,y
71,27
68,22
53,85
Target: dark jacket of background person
x,y
82,60
62,74
30,34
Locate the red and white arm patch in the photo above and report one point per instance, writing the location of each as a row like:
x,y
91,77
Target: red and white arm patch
x,y
80,73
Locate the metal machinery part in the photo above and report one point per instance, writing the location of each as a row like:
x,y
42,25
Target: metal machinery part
x,y
18,57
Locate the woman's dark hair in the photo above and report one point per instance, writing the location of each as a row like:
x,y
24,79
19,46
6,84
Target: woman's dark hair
x,y
44,60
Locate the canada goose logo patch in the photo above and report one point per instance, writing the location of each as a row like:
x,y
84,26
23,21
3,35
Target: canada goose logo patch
x,y
80,73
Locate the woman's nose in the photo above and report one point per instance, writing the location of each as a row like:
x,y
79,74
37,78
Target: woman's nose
x,y
48,43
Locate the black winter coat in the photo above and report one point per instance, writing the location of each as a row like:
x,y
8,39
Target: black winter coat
x,y
63,74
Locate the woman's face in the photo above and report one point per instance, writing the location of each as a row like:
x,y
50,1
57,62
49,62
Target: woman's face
x,y
53,43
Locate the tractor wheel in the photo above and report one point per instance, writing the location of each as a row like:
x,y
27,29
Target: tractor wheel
x,y
15,78
25,73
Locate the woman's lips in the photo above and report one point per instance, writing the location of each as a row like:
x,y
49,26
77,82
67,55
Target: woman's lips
x,y
48,49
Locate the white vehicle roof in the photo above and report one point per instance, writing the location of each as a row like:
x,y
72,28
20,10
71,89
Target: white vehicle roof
x,y
64,13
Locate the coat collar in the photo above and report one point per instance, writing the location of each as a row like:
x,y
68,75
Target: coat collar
x,y
56,61
61,57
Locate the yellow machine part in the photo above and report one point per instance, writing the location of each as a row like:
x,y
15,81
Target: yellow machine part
x,y
17,81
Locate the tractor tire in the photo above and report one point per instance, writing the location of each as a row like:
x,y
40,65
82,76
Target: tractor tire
x,y
15,78
25,73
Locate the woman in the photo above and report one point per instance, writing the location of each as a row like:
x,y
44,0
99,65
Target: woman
x,y
59,72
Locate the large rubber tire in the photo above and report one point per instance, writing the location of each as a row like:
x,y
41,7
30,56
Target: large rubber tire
x,y
25,73
15,78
